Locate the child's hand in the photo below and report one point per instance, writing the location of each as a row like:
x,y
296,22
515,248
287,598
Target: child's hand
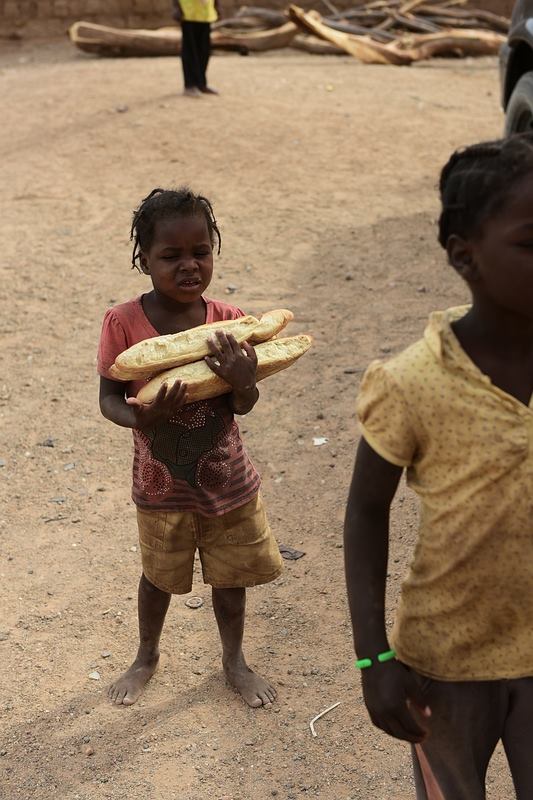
x,y
395,701
165,404
235,363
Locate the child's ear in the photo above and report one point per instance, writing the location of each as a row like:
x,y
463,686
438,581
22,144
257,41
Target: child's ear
x,y
144,263
461,257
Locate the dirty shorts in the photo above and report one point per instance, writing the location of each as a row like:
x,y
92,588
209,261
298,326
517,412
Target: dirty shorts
x,y
236,549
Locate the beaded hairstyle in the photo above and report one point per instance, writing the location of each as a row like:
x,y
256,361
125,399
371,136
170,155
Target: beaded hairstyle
x,y
162,204
476,181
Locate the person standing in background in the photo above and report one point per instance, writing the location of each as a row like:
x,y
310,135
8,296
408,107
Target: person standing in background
x,y
195,17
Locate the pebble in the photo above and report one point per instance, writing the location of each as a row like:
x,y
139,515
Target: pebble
x,y
122,109
348,276
106,653
3,636
89,751
2,462
194,602
230,289
68,467
49,442
3,752
95,675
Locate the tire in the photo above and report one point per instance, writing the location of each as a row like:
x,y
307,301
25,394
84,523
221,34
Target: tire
x,y
519,112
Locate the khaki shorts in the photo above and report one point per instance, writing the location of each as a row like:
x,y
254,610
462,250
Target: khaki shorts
x,y
236,549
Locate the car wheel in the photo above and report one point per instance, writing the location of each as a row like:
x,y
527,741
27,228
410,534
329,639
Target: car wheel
x,y
519,112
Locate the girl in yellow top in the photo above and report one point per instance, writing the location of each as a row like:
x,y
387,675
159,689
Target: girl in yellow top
x,y
455,410
196,17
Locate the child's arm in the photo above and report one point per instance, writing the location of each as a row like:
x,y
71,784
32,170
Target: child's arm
x,y
390,690
237,364
129,413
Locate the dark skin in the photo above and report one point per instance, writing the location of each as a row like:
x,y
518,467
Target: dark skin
x,y
497,335
180,265
177,15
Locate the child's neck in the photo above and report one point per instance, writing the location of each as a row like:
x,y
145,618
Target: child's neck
x,y
500,343
167,316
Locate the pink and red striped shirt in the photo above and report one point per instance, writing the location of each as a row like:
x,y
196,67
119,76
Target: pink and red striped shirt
x,y
195,461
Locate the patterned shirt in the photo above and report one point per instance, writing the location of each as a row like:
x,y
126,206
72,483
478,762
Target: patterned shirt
x,y
466,606
196,460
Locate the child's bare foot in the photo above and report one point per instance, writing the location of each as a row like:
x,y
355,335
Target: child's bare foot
x,y
254,689
192,92
128,688
208,90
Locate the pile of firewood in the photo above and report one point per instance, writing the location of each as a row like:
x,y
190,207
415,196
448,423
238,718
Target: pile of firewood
x,y
390,31
377,32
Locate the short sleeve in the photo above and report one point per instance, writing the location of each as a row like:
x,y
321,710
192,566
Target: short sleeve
x,y
113,341
384,417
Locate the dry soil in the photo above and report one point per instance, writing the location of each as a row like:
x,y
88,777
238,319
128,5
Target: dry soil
x,y
323,174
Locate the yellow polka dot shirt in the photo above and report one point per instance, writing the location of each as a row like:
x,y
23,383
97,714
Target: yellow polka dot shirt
x,y
466,606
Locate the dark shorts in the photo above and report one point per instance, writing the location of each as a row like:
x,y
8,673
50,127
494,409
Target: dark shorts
x,y
468,719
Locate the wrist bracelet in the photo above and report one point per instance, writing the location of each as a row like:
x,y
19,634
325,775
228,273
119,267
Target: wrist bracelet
x,y
364,663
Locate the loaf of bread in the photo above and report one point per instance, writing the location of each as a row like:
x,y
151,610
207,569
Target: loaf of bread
x,y
150,356
271,324
202,383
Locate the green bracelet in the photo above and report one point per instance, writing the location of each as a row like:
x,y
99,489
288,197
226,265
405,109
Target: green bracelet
x,y
364,663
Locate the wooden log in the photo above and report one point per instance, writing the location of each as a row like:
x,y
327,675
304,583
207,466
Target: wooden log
x,y
346,27
275,18
496,22
310,44
104,40
361,47
452,42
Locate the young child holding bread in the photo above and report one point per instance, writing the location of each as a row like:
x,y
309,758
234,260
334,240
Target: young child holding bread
x,y
455,410
193,483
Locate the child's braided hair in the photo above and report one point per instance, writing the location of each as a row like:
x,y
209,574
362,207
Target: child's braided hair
x,y
476,180
165,203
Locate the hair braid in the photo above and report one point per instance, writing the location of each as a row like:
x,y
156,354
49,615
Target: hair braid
x,y
477,179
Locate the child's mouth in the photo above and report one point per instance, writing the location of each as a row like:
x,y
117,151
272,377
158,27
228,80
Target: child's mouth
x,y
190,283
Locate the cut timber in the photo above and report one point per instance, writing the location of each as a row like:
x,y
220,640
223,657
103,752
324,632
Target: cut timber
x,y
310,44
258,41
105,41
453,43
202,383
407,47
362,47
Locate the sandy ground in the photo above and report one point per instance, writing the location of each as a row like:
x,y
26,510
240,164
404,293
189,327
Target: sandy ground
x,y
323,175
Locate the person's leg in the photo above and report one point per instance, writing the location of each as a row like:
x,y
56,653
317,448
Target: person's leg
x,y
204,49
189,58
229,607
466,722
152,606
518,736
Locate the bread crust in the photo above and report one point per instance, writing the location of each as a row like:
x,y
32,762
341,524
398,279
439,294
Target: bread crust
x,y
202,383
271,324
150,356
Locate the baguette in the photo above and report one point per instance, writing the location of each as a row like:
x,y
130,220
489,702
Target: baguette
x,y
271,324
202,383
145,358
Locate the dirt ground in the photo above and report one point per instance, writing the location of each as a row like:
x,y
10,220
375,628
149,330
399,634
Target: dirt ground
x,y
322,173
